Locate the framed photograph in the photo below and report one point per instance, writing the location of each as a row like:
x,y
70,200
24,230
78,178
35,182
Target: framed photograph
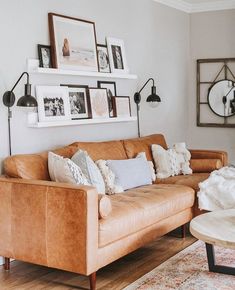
x,y
117,55
111,92
99,103
103,58
53,103
79,102
73,43
44,55
123,106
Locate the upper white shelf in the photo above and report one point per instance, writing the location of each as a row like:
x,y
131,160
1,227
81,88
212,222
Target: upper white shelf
x,y
81,122
33,68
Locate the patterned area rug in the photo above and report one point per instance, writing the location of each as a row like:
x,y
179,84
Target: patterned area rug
x,y
188,270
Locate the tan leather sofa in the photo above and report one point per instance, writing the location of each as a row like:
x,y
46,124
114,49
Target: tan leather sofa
x,y
57,225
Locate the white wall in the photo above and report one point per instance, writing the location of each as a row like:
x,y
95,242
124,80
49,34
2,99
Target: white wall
x,y
211,35
157,45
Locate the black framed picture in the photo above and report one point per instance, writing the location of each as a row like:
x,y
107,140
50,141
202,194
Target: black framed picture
x,y
44,55
103,58
79,102
111,92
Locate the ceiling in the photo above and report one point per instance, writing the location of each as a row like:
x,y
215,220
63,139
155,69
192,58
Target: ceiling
x,y
194,6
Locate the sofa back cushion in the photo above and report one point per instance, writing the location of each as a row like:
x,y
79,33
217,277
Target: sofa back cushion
x,y
102,150
143,144
35,166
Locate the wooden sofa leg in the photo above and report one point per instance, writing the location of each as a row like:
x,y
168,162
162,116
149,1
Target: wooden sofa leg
x,y
92,278
183,231
7,264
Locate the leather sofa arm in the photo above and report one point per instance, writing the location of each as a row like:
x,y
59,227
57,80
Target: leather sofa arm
x,y
50,224
210,154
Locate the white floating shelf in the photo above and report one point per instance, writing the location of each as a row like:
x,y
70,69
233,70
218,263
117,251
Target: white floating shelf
x,y
81,122
33,68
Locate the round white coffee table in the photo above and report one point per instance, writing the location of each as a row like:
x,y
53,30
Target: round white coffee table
x,y
215,229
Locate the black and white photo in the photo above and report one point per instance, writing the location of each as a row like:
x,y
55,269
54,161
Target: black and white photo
x,y
79,102
117,55
44,55
111,92
103,58
53,103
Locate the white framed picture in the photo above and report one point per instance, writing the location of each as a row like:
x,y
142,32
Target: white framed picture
x,y
73,43
117,55
99,103
123,106
53,103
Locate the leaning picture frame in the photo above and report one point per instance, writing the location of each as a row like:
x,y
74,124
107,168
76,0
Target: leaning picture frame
x,y
53,103
73,43
111,92
79,101
117,55
122,106
44,55
99,103
103,58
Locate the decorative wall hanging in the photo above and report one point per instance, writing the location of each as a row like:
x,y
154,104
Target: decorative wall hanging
x,y
216,92
73,43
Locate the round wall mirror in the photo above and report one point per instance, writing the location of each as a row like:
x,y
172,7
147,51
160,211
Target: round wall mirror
x,y
221,98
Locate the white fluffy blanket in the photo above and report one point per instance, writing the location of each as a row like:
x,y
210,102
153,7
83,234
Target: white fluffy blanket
x,y
218,191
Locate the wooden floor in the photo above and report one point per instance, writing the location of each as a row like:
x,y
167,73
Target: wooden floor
x,y
116,276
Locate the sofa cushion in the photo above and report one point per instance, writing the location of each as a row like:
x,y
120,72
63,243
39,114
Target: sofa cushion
x,y
191,180
143,144
139,208
103,150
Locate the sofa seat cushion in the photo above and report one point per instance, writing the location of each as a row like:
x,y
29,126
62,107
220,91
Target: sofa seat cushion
x,y
141,207
191,180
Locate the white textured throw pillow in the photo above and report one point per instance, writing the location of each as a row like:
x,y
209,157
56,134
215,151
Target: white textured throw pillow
x,y
90,170
130,173
150,163
64,170
171,162
109,178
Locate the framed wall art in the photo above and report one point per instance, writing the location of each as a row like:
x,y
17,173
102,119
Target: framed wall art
x,y
99,103
53,103
44,55
117,55
73,43
111,92
122,106
79,102
103,58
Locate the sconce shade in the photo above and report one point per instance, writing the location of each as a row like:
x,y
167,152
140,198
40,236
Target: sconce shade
x,y
153,97
27,100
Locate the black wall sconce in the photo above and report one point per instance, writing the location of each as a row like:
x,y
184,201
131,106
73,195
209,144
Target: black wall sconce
x,y
153,99
25,101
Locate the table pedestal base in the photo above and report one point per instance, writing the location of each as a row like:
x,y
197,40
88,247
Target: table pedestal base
x,y
211,262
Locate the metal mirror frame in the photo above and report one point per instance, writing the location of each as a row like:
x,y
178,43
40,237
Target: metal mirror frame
x,y
227,75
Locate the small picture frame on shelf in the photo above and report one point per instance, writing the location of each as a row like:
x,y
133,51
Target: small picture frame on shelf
x,y
99,103
122,106
79,102
44,55
53,103
111,92
103,58
73,43
117,55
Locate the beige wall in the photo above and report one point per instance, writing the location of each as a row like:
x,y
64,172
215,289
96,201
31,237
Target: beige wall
x,y
157,45
212,36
